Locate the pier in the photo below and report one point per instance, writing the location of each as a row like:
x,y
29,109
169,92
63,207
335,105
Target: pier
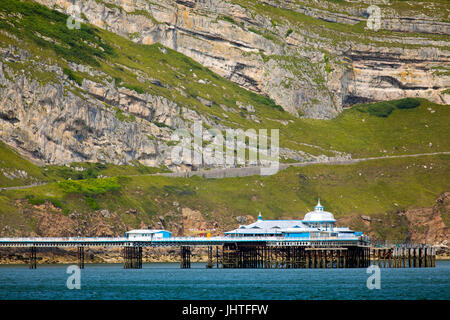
x,y
247,252
404,256
314,242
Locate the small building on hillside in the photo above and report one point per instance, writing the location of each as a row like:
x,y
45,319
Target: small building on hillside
x,y
147,234
317,224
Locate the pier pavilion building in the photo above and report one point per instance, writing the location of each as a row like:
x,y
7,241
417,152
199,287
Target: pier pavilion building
x,y
147,234
317,224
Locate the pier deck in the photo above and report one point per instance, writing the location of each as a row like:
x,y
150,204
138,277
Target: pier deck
x,y
172,241
248,252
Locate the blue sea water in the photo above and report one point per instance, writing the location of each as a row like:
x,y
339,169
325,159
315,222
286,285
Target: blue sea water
x,y
167,281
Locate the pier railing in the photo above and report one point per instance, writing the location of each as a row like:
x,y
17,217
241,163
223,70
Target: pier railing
x,y
58,239
397,244
173,241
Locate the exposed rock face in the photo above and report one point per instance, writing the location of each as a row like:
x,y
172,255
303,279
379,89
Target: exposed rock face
x,y
51,222
427,224
393,73
193,220
420,225
302,68
50,123
61,121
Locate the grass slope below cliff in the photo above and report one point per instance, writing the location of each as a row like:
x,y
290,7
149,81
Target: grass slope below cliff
x,y
15,170
367,188
370,130
13,166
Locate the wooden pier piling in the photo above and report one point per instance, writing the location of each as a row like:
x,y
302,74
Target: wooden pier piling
x,y
217,257
132,257
289,257
185,257
80,256
209,265
33,258
289,254
411,256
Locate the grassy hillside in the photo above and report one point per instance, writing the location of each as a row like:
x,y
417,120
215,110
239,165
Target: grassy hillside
x,y
178,77
336,33
378,129
15,170
12,166
368,188
362,131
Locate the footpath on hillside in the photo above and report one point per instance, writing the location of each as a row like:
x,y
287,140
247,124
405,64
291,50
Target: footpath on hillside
x,y
249,171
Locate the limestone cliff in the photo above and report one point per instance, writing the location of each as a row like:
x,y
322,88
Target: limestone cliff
x,y
53,124
313,58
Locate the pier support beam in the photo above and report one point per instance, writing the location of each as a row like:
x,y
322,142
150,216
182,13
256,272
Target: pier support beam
x,y
229,256
217,257
185,257
433,262
210,257
132,257
80,255
406,256
33,259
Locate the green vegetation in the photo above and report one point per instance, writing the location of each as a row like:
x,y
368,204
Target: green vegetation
x,y
361,131
334,31
441,71
90,187
38,200
88,170
145,14
380,109
136,88
11,162
369,188
266,34
122,117
384,109
364,131
73,76
408,103
37,23
227,18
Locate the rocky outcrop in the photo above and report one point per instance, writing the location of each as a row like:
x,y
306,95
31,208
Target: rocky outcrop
x,y
56,125
393,73
50,221
417,225
301,66
427,225
58,122
94,255
64,121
